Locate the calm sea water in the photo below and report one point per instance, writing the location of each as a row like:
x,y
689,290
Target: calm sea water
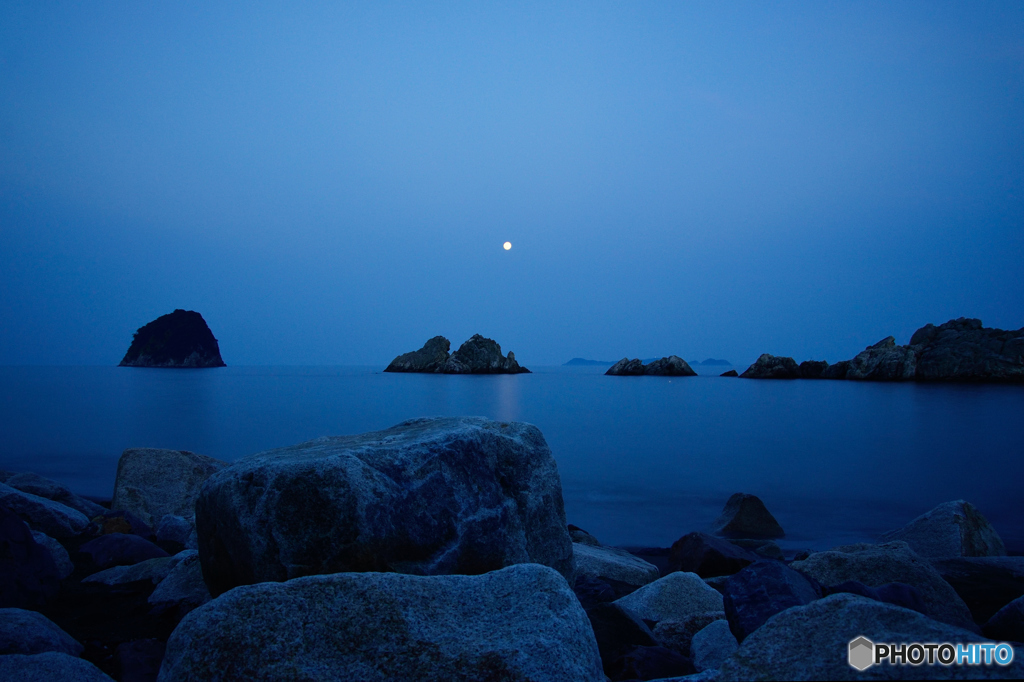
x,y
643,460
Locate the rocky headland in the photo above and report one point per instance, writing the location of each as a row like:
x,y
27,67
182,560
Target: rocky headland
x,y
438,550
960,350
478,355
672,366
178,339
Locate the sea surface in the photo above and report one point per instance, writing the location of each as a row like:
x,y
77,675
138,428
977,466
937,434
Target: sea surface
x,y
643,460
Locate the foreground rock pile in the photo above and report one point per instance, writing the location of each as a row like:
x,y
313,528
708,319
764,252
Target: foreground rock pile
x,y
438,550
959,350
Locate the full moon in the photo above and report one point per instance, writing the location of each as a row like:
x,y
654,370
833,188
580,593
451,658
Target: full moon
x,y
507,245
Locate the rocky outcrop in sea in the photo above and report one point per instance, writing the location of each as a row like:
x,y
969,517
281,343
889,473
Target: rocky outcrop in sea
x,y
178,339
671,366
478,355
138,605
959,350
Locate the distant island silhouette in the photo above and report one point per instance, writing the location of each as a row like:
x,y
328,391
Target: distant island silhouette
x,y
714,361
580,362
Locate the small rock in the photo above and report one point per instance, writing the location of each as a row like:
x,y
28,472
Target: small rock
x,y
60,555
986,584
517,623
577,534
120,549
53,518
771,367
708,556
153,570
173,528
1007,623
183,588
952,529
876,565
674,597
139,660
49,667
29,482
745,516
761,590
29,578
712,645
790,645
28,632
678,634
614,563
730,373
152,483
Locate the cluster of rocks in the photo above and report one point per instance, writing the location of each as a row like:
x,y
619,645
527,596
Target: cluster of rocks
x,y
672,366
178,339
478,355
959,350
439,550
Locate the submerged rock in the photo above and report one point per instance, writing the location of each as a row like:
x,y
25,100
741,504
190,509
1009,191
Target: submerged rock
x,y
884,361
771,367
811,643
876,565
951,529
745,516
519,623
152,483
428,496
178,339
28,632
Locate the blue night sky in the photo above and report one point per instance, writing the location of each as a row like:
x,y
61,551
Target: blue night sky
x,y
332,184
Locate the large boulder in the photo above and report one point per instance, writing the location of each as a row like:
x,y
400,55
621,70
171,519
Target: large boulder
x,y
964,350
53,518
672,366
28,632
677,596
708,556
151,482
613,563
29,482
986,584
771,367
1007,623
617,631
745,516
29,578
120,549
626,368
899,594
49,667
61,558
519,623
178,339
712,645
430,358
480,355
876,565
678,634
183,589
812,642
761,590
952,529
429,496
884,361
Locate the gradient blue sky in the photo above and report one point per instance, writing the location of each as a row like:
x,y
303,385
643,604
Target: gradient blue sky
x,y
332,184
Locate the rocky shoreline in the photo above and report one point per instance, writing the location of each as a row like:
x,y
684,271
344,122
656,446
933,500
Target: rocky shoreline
x,y
439,550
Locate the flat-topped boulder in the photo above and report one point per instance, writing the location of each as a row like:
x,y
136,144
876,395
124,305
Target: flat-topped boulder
x,y
178,339
428,496
478,355
152,482
769,366
671,366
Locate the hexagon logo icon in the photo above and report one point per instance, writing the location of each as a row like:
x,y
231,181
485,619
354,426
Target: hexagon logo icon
x,y
862,653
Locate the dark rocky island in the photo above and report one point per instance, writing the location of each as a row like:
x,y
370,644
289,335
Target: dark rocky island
x,y
672,366
478,355
178,339
960,350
